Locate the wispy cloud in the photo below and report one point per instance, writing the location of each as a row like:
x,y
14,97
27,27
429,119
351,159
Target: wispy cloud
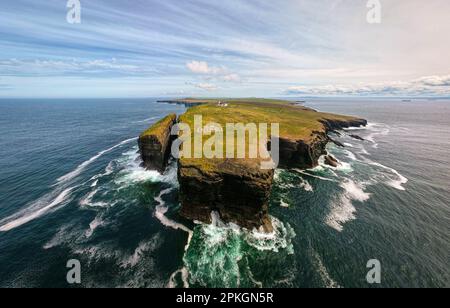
x,y
429,85
48,67
201,67
204,86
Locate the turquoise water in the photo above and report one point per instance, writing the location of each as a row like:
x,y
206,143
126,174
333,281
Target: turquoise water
x,y
71,187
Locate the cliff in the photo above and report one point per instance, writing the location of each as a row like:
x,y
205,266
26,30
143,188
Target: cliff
x,y
155,144
238,189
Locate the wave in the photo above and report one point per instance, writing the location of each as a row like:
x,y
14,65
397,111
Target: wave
x,y
71,175
306,186
147,120
395,183
324,275
144,246
97,222
223,254
35,210
314,176
54,199
342,210
161,210
184,277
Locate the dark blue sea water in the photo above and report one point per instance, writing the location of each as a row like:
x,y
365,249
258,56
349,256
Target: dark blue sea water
x,y
71,187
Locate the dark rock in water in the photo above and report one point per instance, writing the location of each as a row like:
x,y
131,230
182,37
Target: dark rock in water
x,y
357,137
155,144
336,132
339,144
331,161
239,190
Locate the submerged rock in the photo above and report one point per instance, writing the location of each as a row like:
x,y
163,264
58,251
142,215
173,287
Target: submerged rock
x,y
357,137
155,144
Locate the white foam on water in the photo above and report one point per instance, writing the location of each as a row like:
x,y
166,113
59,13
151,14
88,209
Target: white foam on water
x,y
395,183
59,238
377,129
284,204
342,210
143,247
349,145
97,222
57,197
87,200
161,210
350,155
279,239
71,175
324,275
35,210
355,191
314,176
184,277
146,120
306,186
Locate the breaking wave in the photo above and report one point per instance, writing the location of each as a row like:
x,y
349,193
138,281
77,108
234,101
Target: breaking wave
x,y
225,255
55,199
342,209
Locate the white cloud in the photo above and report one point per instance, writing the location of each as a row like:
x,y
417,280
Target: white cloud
x,y
232,78
201,67
206,86
429,85
44,67
211,74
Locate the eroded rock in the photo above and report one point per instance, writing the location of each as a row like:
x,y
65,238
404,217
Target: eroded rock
x,y
155,144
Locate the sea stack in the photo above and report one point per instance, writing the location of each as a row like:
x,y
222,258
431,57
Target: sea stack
x,y
155,144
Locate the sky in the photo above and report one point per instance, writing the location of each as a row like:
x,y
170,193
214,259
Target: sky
x,y
217,48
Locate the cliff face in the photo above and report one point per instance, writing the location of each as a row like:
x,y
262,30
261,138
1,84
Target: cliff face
x,y
300,154
305,154
238,190
155,144
333,124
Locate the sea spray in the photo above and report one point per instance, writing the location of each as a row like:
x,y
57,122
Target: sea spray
x,y
225,255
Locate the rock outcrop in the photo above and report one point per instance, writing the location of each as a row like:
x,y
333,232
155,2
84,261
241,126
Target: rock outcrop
x,y
332,124
356,137
155,144
301,154
331,161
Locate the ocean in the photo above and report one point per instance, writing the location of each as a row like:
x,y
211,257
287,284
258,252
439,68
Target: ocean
x,y
71,187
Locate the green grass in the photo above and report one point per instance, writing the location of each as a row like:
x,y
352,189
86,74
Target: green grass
x,y
159,129
296,122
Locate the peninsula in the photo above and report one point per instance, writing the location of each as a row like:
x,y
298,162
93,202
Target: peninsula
x,y
239,189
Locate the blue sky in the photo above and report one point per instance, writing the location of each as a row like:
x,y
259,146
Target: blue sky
x,y
144,48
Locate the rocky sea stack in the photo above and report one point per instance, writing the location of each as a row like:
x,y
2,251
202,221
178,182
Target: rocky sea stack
x,y
154,144
239,189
